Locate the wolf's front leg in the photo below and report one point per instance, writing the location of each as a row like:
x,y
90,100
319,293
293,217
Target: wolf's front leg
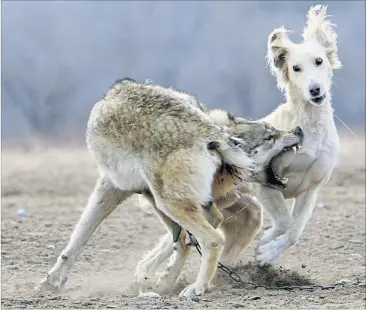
x,y
303,210
102,202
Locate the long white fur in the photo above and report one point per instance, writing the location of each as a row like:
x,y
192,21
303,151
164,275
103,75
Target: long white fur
x,y
312,166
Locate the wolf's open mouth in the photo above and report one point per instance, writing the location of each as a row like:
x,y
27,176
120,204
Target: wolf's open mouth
x,y
274,179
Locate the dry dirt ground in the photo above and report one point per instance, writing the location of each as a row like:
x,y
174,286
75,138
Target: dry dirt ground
x,y
53,185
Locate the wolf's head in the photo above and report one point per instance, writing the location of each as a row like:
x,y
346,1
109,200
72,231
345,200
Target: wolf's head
x,y
262,142
306,68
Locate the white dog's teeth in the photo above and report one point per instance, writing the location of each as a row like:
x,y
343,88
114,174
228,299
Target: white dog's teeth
x,y
284,180
294,149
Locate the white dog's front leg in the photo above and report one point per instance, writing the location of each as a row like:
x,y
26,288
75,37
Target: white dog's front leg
x,y
303,210
277,207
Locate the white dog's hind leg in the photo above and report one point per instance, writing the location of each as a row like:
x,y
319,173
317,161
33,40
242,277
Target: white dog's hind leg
x,y
146,268
101,203
277,207
168,277
303,209
241,227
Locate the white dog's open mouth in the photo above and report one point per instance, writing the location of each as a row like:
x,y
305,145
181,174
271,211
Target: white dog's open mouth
x,y
319,99
274,179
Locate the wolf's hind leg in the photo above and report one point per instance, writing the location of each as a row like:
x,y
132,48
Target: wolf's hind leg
x,y
101,203
180,187
190,216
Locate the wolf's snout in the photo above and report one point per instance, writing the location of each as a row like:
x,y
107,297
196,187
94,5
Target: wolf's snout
x,y
314,89
298,132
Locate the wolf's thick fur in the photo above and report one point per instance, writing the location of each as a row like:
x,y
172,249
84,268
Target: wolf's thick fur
x,y
155,140
304,71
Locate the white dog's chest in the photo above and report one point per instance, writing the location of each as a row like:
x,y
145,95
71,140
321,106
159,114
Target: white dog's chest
x,y
311,166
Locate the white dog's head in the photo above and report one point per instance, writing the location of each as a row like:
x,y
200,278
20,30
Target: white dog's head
x,y
308,66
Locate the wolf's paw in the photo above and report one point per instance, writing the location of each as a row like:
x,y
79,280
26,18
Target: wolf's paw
x,y
274,249
193,290
51,284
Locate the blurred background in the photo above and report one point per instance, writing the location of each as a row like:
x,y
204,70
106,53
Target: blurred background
x,y
58,58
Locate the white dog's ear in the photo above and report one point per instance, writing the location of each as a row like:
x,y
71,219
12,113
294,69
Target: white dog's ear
x,y
322,30
277,55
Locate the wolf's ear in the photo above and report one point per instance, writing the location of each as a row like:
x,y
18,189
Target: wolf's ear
x,y
277,55
322,30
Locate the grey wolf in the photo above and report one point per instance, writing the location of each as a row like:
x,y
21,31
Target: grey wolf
x,y
154,140
304,72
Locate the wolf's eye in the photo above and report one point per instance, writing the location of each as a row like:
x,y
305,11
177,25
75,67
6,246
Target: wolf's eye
x,y
318,61
296,68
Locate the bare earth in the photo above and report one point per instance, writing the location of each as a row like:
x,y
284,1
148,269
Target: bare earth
x,y
53,186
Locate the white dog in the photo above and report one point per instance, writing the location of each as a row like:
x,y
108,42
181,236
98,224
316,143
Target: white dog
x,y
304,71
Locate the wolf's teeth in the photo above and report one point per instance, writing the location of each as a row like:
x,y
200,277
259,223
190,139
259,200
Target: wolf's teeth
x,y
284,180
294,149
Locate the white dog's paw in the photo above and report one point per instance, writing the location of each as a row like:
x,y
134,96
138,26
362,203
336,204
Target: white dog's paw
x,y
193,290
166,280
148,294
144,277
269,236
274,249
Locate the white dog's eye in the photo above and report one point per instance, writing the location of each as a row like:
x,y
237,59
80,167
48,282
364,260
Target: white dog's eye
x,y
318,61
296,68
